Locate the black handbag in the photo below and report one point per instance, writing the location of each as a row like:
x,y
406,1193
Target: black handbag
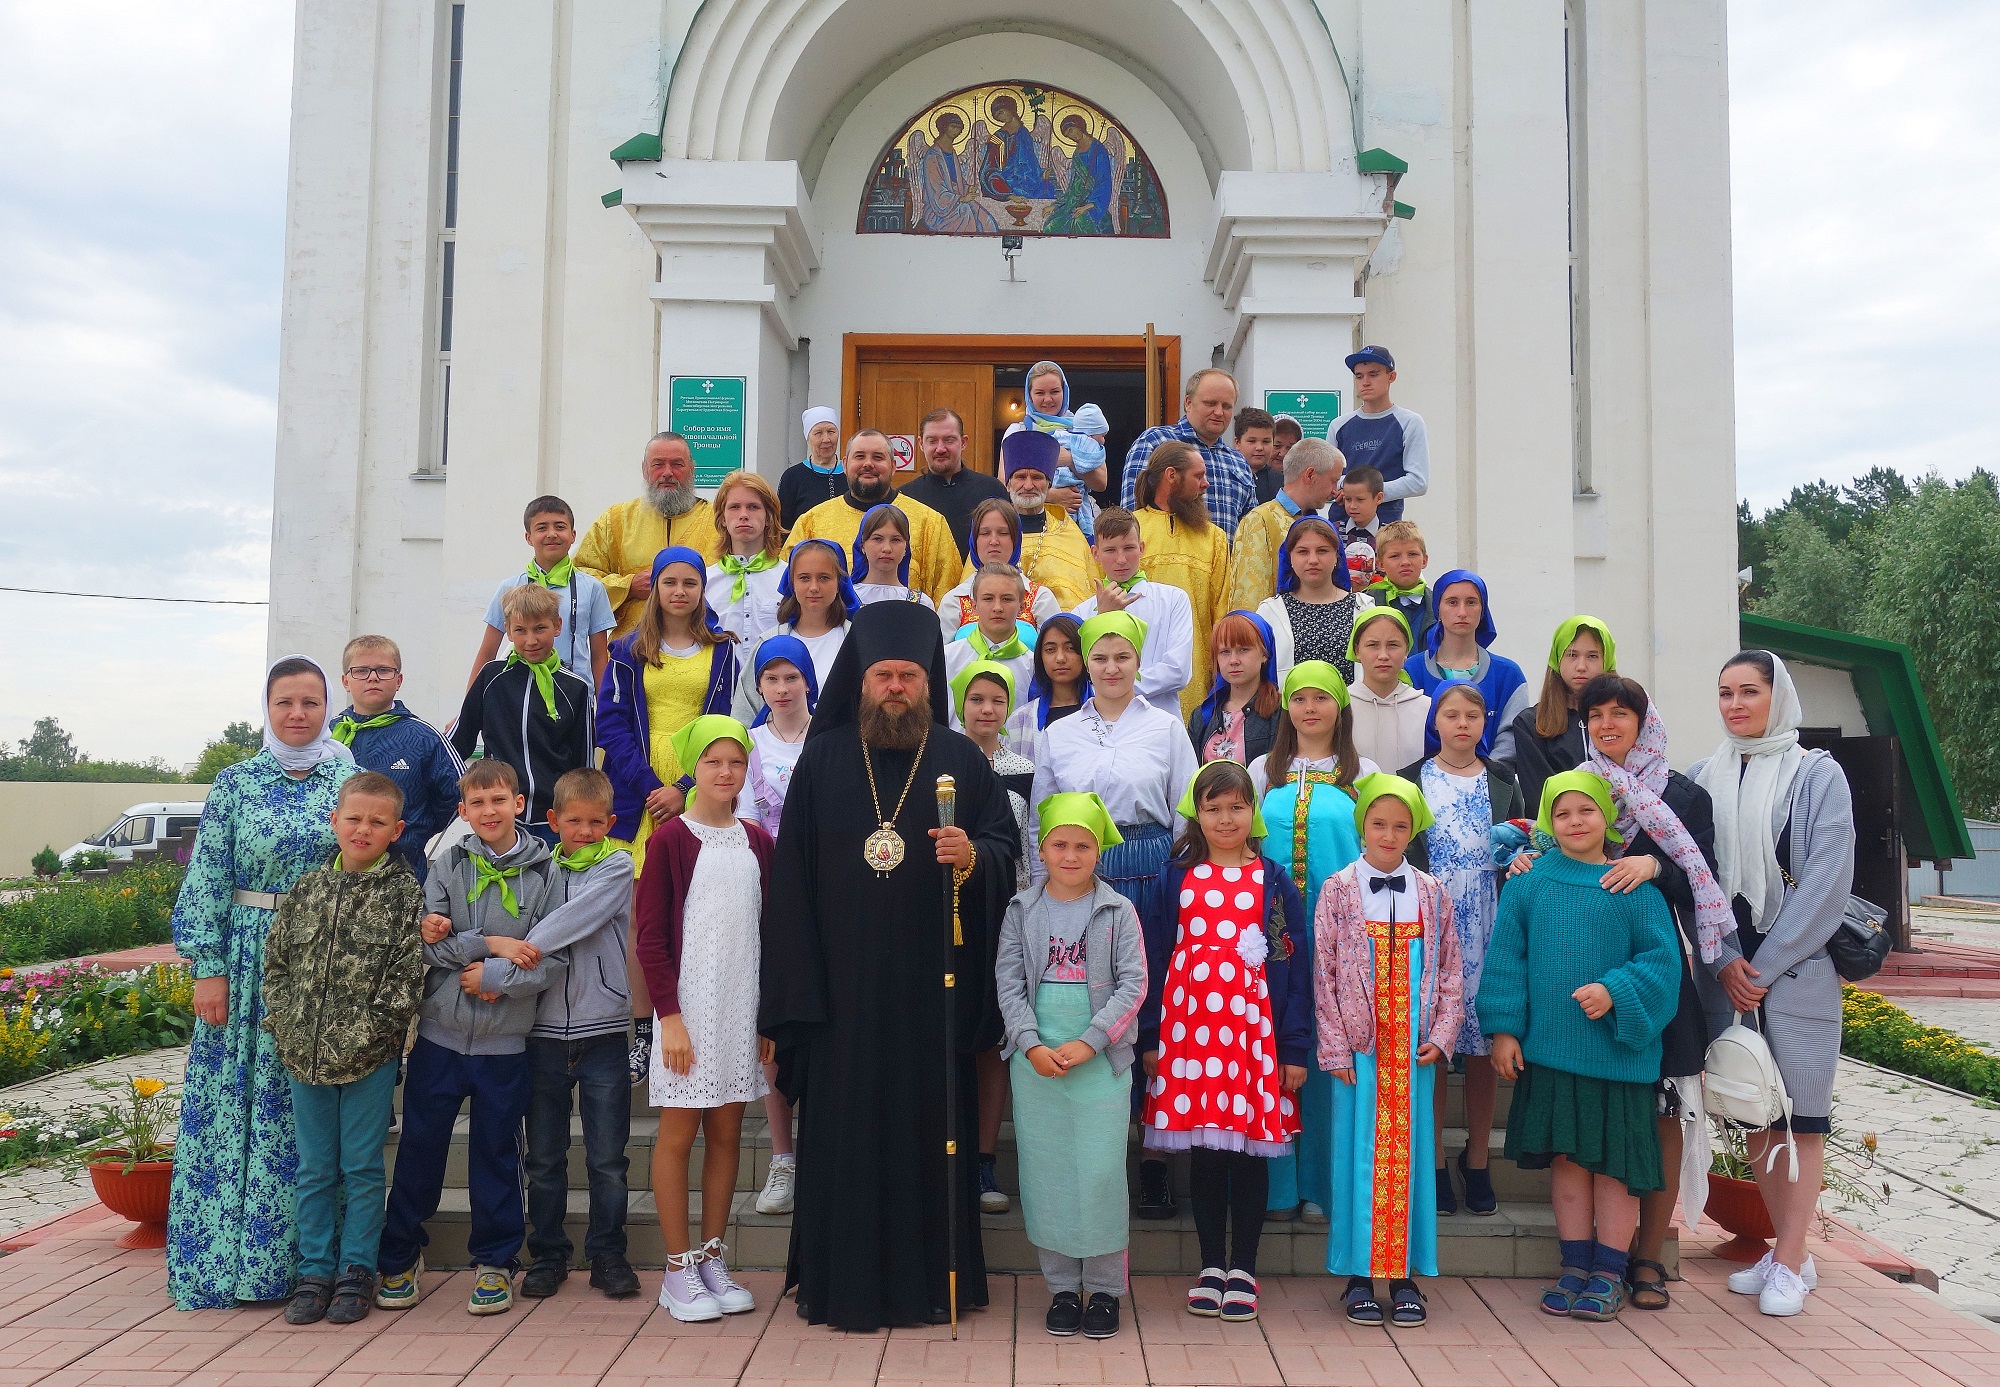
x,y
1860,943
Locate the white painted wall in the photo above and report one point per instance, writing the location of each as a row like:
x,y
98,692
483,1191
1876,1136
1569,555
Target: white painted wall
x,y
1828,697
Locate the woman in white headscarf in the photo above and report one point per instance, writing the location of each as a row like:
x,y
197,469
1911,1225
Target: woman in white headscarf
x,y
1784,847
268,820
819,476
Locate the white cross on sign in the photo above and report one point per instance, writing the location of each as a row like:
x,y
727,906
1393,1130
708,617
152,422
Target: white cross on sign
x,y
708,386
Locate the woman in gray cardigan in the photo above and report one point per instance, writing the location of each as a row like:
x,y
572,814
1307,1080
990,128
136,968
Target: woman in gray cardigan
x,y
1784,844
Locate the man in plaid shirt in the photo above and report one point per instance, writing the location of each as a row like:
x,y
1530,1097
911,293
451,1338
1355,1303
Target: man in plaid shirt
x,y
1205,412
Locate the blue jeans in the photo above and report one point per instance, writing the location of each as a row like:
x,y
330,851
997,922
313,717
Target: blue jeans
x,y
597,1067
341,1130
437,1083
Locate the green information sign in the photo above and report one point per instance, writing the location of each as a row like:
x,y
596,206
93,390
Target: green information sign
x,y
1314,409
708,412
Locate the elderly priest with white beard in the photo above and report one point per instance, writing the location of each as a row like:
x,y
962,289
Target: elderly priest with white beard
x,y
619,547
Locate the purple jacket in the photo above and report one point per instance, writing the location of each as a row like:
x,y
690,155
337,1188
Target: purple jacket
x,y
623,731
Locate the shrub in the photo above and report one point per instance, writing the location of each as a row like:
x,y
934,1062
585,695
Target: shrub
x,y
86,860
131,909
45,863
1878,1031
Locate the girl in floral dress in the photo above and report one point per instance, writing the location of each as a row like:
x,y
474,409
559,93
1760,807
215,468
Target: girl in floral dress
x,y
268,820
1226,1033
1467,795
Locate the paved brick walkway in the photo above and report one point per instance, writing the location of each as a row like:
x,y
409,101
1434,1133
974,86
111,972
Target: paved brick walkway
x,y
30,1194
77,1312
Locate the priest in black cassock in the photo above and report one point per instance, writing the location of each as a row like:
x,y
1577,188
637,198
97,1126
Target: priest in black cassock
x,y
857,940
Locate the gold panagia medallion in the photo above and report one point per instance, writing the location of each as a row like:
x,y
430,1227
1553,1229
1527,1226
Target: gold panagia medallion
x,y
883,850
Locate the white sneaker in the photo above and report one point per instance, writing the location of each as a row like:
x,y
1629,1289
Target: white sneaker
x,y
776,1196
1310,1212
1751,1280
684,1295
734,1299
1784,1292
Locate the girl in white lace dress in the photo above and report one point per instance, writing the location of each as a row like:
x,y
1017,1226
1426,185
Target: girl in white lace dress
x,y
697,939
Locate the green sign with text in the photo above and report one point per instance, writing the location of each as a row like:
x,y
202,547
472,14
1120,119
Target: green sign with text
x,y
1314,409
708,412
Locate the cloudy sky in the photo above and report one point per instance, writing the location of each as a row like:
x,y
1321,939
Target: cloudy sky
x,y
142,175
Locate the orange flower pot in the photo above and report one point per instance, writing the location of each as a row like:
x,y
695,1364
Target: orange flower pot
x,y
1738,1208
139,1194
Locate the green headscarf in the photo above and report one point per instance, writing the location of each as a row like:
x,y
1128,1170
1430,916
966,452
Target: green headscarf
x,y
1186,808
962,681
1370,788
692,740
1080,809
1315,674
1112,624
1589,783
1566,633
1361,619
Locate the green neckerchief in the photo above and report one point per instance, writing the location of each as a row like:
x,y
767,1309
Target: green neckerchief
x,y
544,671
485,873
340,861
739,569
587,856
346,725
1386,584
1134,580
557,577
1007,650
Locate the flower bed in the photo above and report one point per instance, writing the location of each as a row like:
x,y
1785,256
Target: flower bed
x,y
1878,1031
72,919
77,1015
29,1136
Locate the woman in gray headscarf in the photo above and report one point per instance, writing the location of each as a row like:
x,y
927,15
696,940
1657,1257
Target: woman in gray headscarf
x,y
1784,847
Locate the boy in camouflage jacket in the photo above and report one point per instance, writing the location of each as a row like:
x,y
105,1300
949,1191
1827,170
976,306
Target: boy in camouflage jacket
x,y
343,976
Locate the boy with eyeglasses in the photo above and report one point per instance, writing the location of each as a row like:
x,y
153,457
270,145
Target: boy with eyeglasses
x,y
387,737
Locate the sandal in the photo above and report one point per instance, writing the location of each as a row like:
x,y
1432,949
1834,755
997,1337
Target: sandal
x,y
1602,1297
1560,1298
1406,1305
1359,1298
1647,1294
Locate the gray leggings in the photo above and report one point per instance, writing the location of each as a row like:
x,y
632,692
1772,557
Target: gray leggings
x,y
1084,1275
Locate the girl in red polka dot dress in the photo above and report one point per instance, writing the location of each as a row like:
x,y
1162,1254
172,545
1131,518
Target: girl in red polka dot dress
x,y
1227,1029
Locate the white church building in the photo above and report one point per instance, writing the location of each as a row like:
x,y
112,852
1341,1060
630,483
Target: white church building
x,y
523,236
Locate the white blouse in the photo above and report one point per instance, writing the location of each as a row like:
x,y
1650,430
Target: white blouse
x,y
756,612
1138,765
1260,777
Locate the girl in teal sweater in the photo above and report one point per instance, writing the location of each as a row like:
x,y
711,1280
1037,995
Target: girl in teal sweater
x,y
1578,985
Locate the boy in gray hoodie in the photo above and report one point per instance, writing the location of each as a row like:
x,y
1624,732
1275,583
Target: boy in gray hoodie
x,y
481,982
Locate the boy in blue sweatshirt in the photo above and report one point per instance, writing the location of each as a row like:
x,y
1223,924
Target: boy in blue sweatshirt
x,y
481,982
387,737
578,1042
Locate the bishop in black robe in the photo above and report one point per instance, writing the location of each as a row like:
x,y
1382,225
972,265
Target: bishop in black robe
x,y
853,996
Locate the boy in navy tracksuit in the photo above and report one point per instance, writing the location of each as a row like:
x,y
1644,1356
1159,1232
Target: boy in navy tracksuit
x,y
579,1043
1383,435
387,737
531,712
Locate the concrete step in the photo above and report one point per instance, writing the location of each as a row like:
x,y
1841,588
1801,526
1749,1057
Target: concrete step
x,y
1519,1240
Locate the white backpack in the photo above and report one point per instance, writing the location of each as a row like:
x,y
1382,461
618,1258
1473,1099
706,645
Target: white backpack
x,y
1741,1084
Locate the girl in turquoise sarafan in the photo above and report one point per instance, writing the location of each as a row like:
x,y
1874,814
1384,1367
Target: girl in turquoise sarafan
x,y
1578,985
268,820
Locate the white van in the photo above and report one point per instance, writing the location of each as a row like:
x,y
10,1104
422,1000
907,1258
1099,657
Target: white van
x,y
141,826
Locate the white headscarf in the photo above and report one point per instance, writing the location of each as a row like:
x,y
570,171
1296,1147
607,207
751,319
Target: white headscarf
x,y
322,747
818,414
1747,779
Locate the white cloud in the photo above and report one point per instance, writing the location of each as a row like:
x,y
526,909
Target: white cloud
x,y
1865,139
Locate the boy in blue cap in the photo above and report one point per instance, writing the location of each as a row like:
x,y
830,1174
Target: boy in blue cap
x,y
1383,435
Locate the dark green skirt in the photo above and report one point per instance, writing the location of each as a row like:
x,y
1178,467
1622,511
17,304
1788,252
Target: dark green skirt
x,y
1600,1124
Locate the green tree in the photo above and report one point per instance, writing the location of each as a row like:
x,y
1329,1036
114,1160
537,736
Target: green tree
x,y
1811,578
49,746
239,742
1936,568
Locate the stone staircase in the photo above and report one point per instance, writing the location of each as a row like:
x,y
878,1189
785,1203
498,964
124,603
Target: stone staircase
x,y
1519,1240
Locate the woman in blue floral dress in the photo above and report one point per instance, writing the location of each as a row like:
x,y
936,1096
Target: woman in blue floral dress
x,y
1467,795
268,820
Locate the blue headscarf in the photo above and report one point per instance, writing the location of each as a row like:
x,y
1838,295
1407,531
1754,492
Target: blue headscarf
x,y
1288,581
1047,423
1432,742
861,560
792,650
1038,690
972,540
1221,689
850,600
1484,635
680,553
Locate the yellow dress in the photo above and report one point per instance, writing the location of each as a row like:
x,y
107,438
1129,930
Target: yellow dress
x,y
626,539
1059,559
1253,563
934,561
1196,562
675,689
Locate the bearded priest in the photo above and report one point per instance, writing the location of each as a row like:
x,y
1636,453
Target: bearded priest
x,y
619,547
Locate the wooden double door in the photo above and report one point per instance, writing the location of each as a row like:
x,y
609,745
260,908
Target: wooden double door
x,y
892,380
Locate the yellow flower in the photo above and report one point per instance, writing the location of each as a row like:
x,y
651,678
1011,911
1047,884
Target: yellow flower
x,y
6,1119
6,973
148,1087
